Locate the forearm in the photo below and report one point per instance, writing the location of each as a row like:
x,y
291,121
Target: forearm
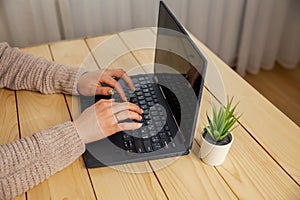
x,y
19,70
29,161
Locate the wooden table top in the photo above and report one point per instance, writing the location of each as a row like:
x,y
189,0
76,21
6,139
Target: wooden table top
x,y
263,162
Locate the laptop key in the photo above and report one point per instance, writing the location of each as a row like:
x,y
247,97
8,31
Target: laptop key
x,y
139,93
143,102
155,139
156,146
156,118
169,133
154,113
149,99
143,130
165,143
150,103
162,135
158,124
152,133
126,137
147,122
139,146
141,97
147,144
130,144
144,107
151,127
126,145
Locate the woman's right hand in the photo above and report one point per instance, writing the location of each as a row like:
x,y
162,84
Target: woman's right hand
x,y
105,117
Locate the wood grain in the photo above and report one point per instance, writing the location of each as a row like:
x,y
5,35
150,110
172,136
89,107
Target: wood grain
x,y
39,112
280,86
8,118
266,123
9,122
105,180
112,53
248,169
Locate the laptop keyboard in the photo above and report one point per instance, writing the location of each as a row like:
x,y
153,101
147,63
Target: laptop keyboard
x,y
154,133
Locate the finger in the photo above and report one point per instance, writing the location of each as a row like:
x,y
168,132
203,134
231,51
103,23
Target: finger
x,y
128,81
128,115
116,72
116,85
108,102
129,126
118,107
104,90
120,73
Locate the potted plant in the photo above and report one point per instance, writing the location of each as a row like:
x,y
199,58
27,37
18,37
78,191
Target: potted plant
x,y
217,137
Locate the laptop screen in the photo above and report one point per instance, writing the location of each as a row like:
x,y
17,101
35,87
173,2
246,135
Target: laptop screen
x,y
180,71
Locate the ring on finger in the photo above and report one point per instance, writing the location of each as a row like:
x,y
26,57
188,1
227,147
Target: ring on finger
x,y
111,92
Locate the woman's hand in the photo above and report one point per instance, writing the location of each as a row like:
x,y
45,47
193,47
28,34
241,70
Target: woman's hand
x,y
91,83
105,117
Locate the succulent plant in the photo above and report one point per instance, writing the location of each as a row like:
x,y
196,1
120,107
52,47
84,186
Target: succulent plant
x,y
222,121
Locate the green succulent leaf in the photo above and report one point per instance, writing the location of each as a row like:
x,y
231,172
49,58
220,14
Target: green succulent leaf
x,y
222,121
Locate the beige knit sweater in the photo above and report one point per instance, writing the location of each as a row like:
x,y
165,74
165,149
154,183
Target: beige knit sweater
x,y
29,161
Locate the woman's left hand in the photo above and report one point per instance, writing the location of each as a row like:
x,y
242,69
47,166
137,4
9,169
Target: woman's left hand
x,y
91,83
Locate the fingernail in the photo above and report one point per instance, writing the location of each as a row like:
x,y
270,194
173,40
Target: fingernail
x,y
140,125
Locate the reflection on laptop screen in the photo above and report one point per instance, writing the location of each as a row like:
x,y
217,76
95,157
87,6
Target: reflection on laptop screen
x,y
180,69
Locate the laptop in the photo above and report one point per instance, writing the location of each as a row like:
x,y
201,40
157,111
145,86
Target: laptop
x,y
170,98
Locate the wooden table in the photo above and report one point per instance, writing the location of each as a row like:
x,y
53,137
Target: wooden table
x,y
263,163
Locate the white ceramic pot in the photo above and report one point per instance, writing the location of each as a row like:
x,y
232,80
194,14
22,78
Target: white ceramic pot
x,y
213,154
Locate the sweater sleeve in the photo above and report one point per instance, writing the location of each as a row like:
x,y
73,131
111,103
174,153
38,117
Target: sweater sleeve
x,y
29,161
20,70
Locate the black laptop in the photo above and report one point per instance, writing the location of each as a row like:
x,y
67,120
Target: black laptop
x,y
170,98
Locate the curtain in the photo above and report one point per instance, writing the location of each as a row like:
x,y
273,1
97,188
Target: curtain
x,y
28,22
247,34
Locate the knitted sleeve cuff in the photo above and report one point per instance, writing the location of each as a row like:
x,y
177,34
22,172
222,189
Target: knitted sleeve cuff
x,y
20,70
66,78
61,145
27,162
